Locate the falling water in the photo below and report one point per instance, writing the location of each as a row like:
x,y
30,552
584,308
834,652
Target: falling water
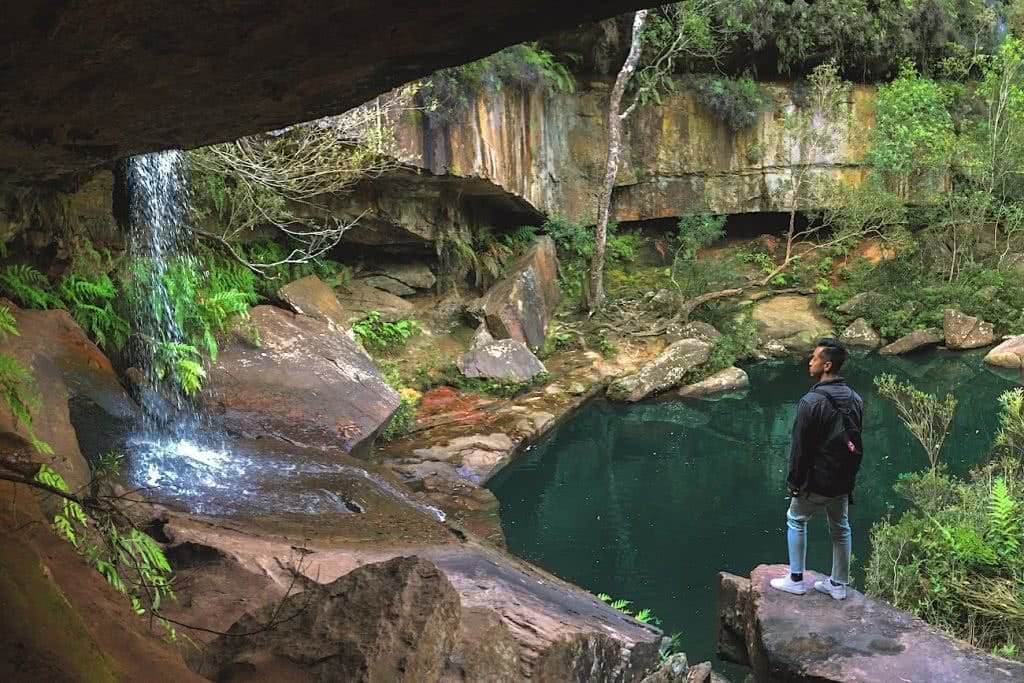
x,y
174,437
158,241
178,452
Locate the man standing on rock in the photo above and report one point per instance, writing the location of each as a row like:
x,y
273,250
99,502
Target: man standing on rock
x,y
823,464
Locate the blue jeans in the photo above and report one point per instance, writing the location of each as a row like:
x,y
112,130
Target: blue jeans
x,y
802,509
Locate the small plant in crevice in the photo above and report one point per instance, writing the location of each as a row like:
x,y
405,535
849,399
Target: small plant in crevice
x,y
644,616
378,334
404,418
450,375
599,341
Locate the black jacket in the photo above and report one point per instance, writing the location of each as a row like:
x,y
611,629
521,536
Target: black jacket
x,y
819,462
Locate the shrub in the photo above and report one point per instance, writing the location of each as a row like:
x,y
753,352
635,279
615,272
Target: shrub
x,y
381,335
954,558
738,101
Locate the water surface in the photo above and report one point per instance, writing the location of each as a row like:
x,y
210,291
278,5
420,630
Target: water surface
x,y
648,502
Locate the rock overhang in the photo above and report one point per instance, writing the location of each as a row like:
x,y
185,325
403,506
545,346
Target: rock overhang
x,y
89,82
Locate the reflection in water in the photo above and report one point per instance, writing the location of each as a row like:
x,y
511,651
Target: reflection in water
x,y
649,502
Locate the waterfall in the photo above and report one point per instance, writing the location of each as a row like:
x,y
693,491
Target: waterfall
x,y
174,431
158,234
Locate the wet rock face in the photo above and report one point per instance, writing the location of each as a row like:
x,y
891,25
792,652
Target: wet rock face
x,y
74,378
521,304
234,69
550,150
966,332
306,383
392,621
915,341
857,640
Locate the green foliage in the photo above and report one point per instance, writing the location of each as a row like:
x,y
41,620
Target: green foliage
x,y
690,275
71,514
738,101
404,419
1004,520
380,335
181,361
954,558
450,375
927,417
8,323
448,92
131,561
91,302
575,244
107,467
868,39
28,287
599,340
738,342
19,391
644,616
913,136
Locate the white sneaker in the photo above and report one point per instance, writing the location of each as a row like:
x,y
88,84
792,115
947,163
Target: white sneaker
x,y
789,586
825,586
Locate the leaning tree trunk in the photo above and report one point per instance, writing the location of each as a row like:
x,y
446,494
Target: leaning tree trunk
x,y
596,290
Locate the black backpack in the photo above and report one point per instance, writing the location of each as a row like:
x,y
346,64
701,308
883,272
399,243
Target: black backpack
x,y
835,470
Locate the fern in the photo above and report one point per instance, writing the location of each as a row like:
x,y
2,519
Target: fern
x,y
71,514
1004,520
8,323
28,287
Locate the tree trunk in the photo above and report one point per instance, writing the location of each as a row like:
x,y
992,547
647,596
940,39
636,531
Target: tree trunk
x,y
596,290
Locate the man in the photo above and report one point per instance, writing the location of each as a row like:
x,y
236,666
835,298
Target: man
x,y
823,464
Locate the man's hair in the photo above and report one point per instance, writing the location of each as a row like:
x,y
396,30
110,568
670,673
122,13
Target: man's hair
x,y
833,351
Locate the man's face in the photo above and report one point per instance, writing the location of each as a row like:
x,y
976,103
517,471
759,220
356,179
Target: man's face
x,y
818,366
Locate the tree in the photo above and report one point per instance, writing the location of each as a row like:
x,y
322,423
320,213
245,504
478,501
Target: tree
x,y
611,169
279,179
927,417
676,31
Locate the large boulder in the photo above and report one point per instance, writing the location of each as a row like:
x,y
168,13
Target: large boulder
x,y
915,341
793,320
857,640
312,297
1009,354
306,383
507,360
358,298
388,284
415,275
77,385
390,621
729,379
664,372
860,304
520,305
694,329
963,331
860,335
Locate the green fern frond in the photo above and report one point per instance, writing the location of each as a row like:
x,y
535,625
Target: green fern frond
x,y
28,287
1004,519
8,323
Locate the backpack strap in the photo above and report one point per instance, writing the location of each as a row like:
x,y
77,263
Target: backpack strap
x,y
833,401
